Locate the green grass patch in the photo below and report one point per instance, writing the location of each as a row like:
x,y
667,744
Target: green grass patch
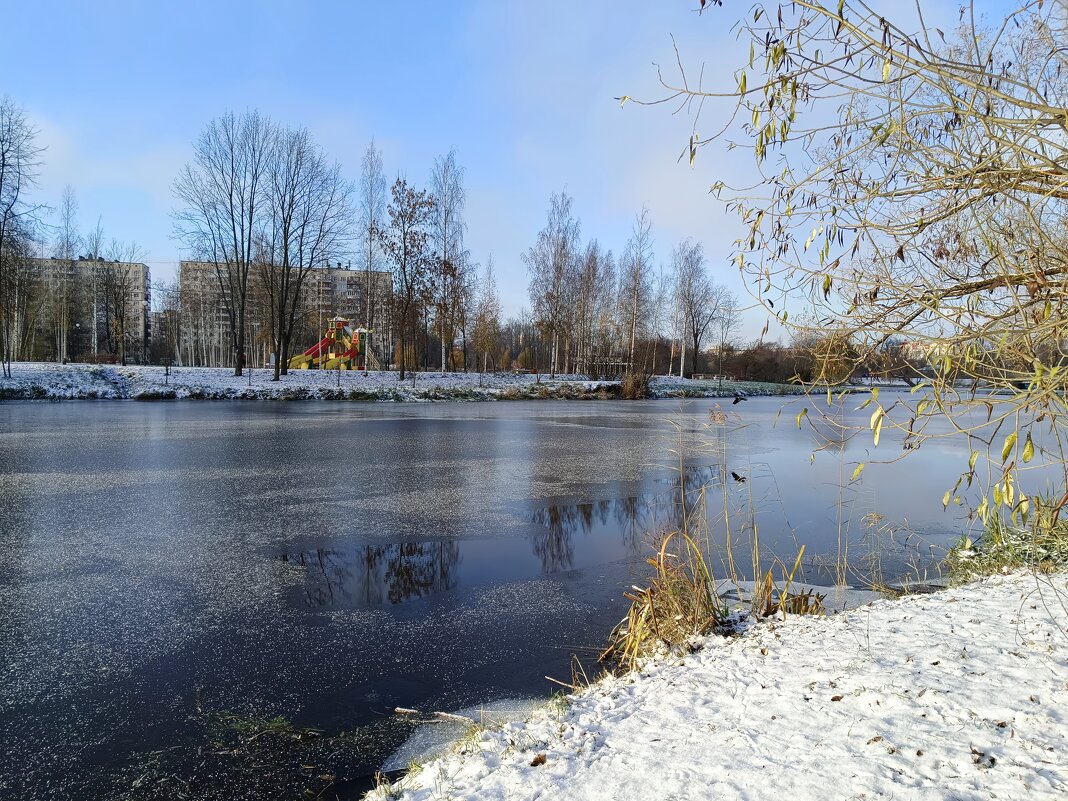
x,y
1040,545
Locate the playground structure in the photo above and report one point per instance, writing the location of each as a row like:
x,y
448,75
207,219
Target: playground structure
x,y
341,348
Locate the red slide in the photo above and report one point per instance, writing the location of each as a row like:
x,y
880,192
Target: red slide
x,y
317,348
316,351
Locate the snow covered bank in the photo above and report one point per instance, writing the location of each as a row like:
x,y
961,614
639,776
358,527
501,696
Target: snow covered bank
x,y
78,381
961,694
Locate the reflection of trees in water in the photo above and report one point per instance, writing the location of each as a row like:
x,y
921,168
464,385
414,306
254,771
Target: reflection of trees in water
x,y
374,574
636,518
555,548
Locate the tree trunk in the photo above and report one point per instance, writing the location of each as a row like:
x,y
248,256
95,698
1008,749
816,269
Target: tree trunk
x,y
239,344
633,323
442,327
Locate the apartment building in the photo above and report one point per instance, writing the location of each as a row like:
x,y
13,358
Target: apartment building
x,y
204,324
92,309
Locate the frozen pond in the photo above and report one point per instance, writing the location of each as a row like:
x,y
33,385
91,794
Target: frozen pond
x,y
329,562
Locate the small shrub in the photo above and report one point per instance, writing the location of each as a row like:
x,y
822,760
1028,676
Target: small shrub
x,y
155,394
366,395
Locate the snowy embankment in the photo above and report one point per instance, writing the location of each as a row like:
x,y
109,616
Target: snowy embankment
x,y
78,381
961,694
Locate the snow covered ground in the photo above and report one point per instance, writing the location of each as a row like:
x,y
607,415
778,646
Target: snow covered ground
x,y
53,382
961,694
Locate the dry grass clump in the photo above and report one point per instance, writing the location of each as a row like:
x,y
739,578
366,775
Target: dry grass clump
x,y
680,602
769,600
634,386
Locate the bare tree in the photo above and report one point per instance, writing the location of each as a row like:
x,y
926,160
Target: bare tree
x,y
406,242
120,301
447,187
62,299
487,335
698,299
726,323
550,263
635,268
94,247
223,192
662,296
607,330
19,162
22,292
585,306
372,193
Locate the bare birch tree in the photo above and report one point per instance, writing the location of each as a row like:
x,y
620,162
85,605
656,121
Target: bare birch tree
x,y
586,289
94,247
550,263
487,333
662,298
727,320
63,301
22,292
635,290
372,192
449,227
607,331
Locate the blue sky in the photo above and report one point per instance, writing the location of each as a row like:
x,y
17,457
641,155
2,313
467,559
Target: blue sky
x,y
523,91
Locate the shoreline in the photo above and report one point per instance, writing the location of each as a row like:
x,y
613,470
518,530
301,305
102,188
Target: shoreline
x,y
923,696
48,381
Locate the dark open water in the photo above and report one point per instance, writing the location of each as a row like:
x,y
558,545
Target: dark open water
x,y
163,566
